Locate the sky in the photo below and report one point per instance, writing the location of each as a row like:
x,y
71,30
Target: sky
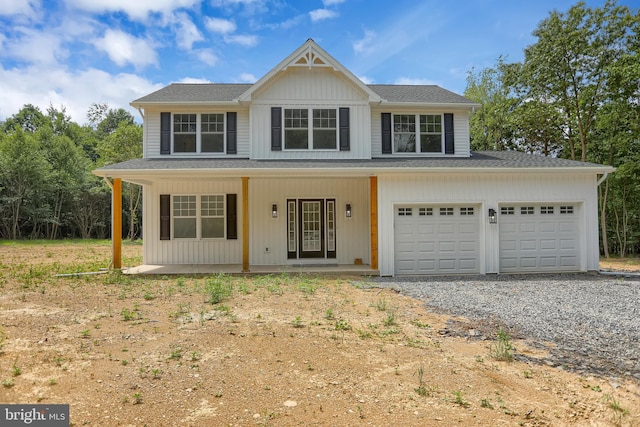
x,y
73,53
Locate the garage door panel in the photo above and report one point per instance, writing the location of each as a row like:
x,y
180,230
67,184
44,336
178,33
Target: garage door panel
x,y
437,244
539,238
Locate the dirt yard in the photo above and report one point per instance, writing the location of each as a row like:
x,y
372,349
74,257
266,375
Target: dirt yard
x,y
273,350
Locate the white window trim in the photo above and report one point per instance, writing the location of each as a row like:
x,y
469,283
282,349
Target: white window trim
x,y
417,135
199,218
199,134
310,129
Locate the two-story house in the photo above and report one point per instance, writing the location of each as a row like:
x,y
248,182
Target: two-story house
x,y
310,166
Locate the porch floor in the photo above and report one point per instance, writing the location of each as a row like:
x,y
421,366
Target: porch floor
x,y
173,269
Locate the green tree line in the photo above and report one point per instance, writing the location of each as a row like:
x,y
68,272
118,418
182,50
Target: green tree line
x,y
575,95
47,190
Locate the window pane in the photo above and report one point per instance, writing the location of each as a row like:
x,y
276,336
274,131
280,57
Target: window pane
x,y
296,139
324,139
212,228
184,133
430,143
212,205
184,228
404,133
212,143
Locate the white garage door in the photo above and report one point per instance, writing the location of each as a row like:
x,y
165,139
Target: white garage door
x,y
436,239
539,238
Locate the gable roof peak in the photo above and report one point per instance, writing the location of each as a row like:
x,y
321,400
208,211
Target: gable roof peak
x,y
310,55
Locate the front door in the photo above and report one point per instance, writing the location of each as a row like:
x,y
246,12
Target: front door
x,y
311,223
311,228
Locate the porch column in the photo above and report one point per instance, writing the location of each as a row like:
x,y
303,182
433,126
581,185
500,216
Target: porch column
x,y
245,224
116,223
373,208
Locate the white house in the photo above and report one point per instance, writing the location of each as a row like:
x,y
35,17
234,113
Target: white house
x,y
310,166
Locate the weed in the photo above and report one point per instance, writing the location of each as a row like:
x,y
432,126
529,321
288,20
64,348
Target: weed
x,y
53,381
328,314
479,359
618,411
218,288
15,370
363,334
156,373
390,320
137,398
484,403
527,374
148,296
297,322
84,334
422,390
459,399
176,353
381,304
8,383
195,356
129,315
342,325
124,362
419,324
502,349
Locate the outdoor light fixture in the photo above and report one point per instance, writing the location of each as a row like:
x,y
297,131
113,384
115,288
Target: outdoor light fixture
x,y
274,211
493,216
348,210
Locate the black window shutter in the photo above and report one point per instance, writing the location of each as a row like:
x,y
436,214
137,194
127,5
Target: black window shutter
x,y
386,133
165,133
276,129
344,129
165,217
449,145
232,217
232,133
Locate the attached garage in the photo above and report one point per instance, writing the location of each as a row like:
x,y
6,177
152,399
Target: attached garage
x,y
437,239
539,237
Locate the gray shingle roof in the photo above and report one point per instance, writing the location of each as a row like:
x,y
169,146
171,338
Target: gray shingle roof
x,y
478,161
220,92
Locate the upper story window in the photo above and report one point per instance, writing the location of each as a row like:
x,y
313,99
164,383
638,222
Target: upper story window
x,y
320,133
417,133
198,133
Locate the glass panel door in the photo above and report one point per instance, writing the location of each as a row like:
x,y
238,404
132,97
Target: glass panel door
x,y
311,228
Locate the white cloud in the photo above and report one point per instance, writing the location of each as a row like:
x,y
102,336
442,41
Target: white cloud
x,y
364,44
207,56
186,32
320,14
243,40
76,91
247,78
331,2
34,46
222,26
18,7
413,81
136,9
193,80
123,48
366,80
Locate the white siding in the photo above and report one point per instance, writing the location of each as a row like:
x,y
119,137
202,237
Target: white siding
x,y
489,191
188,251
152,132
460,129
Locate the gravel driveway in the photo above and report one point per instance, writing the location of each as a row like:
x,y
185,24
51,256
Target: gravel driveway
x,y
593,320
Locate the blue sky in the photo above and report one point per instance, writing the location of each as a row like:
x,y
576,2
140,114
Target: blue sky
x,y
73,53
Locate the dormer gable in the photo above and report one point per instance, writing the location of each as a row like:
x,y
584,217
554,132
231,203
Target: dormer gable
x,y
310,56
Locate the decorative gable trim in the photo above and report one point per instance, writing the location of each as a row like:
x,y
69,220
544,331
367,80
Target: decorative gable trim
x,y
310,55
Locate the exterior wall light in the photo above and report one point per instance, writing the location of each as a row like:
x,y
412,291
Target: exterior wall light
x,y
348,210
274,211
493,216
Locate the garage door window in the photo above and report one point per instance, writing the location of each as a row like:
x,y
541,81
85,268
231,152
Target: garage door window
x,y
507,211
546,210
527,210
446,211
404,212
466,211
425,212
566,209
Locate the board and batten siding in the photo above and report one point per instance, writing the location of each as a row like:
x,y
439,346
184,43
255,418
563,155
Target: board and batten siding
x,y
460,130
152,132
188,251
352,234
489,190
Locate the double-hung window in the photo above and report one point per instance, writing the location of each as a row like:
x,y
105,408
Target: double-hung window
x,y
198,217
319,133
417,133
198,133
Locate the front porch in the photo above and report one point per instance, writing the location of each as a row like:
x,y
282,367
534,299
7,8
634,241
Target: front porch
x,y
236,269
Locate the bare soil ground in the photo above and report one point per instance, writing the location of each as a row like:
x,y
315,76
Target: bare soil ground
x,y
279,350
